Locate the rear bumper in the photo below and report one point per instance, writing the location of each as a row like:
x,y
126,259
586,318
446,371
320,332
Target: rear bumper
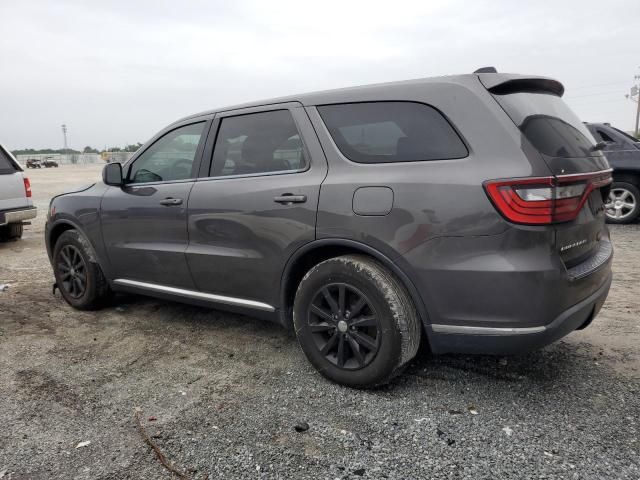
x,y
505,293
503,341
17,216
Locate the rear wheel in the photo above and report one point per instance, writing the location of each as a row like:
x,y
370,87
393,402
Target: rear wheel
x,y
13,231
355,322
78,276
623,204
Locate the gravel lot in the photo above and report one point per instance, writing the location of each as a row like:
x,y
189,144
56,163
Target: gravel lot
x,y
221,394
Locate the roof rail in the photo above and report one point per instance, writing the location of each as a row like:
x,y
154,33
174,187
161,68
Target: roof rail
x,y
486,70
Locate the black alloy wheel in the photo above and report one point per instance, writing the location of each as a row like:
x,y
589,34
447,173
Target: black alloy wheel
x,y
73,271
344,326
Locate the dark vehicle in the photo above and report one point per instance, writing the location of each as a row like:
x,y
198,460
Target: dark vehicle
x,y
16,205
447,209
623,152
49,162
33,163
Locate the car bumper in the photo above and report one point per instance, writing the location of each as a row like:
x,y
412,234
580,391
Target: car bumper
x,y
499,294
18,216
511,340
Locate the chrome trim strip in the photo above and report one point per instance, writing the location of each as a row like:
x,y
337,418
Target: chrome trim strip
x,y
240,302
15,216
595,174
467,330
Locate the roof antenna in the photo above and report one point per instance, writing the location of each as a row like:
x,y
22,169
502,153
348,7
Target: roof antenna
x,y
486,70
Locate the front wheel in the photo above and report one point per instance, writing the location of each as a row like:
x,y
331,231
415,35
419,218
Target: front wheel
x,y
355,321
78,276
623,204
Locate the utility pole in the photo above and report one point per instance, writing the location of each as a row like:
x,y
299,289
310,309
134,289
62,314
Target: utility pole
x,y
635,92
64,133
637,87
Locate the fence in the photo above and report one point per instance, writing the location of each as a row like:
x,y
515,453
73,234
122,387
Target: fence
x,y
62,159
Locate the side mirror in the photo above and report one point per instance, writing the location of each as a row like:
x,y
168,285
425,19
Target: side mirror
x,y
112,174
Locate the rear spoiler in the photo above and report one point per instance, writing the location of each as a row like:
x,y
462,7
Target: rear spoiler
x,y
503,84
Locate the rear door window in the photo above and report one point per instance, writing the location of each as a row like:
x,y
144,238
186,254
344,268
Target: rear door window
x,y
258,143
549,124
384,132
6,164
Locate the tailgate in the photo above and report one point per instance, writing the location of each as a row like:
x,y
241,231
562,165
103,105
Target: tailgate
x,y
566,146
12,188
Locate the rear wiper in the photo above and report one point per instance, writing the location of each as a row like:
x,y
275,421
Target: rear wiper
x,y
599,146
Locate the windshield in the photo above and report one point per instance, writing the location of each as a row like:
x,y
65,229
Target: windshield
x,y
549,124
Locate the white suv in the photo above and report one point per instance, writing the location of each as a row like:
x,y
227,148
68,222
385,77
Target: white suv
x,y
15,197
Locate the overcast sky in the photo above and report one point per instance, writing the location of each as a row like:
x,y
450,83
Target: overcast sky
x,y
116,72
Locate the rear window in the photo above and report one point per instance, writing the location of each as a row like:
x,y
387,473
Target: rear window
x,y
6,164
549,124
383,132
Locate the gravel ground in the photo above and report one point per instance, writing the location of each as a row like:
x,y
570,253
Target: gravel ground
x,y
221,394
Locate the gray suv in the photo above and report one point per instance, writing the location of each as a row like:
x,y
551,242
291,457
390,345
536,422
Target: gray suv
x,y
464,211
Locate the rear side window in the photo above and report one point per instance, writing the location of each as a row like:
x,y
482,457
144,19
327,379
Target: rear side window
x,y
256,143
383,132
549,124
6,165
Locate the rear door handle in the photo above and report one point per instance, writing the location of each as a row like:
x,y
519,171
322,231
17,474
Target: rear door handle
x,y
290,198
171,201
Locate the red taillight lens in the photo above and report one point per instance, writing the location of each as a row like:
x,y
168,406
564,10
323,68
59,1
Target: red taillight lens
x,y
544,200
27,187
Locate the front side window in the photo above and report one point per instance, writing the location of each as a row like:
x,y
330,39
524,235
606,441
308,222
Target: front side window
x,y
255,143
383,132
169,158
605,137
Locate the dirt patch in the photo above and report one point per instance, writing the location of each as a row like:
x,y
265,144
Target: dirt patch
x,y
225,392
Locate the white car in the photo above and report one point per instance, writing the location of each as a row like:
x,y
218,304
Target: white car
x,y
15,197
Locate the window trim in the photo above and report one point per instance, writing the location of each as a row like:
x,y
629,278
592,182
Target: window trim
x,y
197,159
445,117
240,113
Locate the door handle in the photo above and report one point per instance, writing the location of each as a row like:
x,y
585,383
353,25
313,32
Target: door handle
x,y
287,198
167,202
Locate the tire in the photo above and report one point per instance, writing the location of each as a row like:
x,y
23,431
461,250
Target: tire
x,y
73,250
13,231
623,204
377,340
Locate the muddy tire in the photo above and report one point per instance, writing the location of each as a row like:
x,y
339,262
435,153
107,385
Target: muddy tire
x,y
355,321
13,231
78,275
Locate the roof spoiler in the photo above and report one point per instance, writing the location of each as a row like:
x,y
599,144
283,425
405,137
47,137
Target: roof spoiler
x,y
486,70
503,84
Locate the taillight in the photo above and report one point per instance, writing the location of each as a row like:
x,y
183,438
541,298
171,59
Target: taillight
x,y
27,187
544,200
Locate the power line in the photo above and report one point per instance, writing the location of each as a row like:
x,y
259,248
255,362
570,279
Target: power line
x,y
617,92
582,102
599,85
